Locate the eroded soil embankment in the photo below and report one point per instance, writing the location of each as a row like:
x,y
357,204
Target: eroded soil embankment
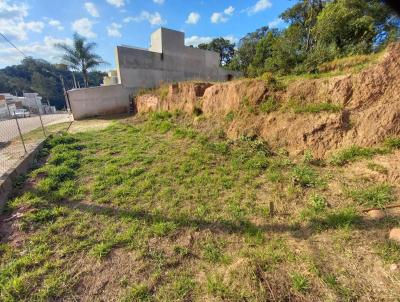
x,y
368,102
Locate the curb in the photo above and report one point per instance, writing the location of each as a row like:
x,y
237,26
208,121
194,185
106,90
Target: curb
x,y
18,169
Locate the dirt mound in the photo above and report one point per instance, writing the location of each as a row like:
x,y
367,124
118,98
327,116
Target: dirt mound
x,y
369,104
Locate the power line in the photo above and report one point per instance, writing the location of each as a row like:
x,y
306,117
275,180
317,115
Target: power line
x,y
13,45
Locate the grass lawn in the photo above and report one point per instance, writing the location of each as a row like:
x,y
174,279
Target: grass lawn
x,y
158,208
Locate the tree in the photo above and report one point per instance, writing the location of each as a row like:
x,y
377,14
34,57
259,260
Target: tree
x,y
224,47
81,56
353,25
45,86
264,50
304,15
246,50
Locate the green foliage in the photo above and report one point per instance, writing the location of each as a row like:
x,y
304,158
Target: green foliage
x,y
319,31
42,77
375,196
80,56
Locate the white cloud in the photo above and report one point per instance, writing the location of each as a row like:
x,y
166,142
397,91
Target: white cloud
x,y
12,21
35,26
196,40
222,17
275,23
159,1
84,28
113,30
117,3
56,24
229,11
14,10
193,18
153,18
45,49
261,5
218,18
92,9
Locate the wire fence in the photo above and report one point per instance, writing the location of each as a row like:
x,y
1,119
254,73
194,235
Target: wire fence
x,y
24,123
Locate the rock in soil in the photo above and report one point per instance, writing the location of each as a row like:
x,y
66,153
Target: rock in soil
x,y
395,235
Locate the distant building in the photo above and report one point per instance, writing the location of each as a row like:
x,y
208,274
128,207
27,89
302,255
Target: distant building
x,y
30,101
111,78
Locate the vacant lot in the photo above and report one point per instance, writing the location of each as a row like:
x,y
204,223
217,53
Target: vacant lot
x,y
161,208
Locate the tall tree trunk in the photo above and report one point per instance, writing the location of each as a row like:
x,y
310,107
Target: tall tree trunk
x,y
85,78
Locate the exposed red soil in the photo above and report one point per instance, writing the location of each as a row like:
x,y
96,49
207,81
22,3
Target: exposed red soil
x,y
370,103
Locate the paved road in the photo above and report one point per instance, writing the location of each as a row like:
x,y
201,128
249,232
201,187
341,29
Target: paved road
x,y
9,130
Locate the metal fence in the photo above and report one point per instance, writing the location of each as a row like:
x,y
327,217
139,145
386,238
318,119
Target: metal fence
x,y
23,127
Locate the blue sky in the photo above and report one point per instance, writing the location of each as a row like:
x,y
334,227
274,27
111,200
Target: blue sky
x,y
36,25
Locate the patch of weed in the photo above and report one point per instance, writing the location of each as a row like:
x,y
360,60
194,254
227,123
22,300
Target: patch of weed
x,y
306,177
392,142
389,251
377,168
300,282
374,196
354,153
269,105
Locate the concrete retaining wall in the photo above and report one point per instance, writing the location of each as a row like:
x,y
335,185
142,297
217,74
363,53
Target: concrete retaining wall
x,y
99,101
20,168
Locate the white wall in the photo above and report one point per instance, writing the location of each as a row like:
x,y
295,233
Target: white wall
x,y
99,101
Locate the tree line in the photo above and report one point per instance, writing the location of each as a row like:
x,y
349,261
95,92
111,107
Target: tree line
x,y
40,76
317,31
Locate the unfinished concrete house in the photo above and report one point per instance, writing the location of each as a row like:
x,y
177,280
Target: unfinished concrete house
x,y
167,60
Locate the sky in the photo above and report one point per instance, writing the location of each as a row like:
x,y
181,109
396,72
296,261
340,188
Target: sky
x,y
35,26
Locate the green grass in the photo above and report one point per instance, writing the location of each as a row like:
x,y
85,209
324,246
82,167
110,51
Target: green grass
x,y
392,142
313,108
378,195
377,168
388,251
306,176
354,153
169,211
300,283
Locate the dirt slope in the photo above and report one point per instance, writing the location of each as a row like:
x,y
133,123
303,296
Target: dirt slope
x,y
369,101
